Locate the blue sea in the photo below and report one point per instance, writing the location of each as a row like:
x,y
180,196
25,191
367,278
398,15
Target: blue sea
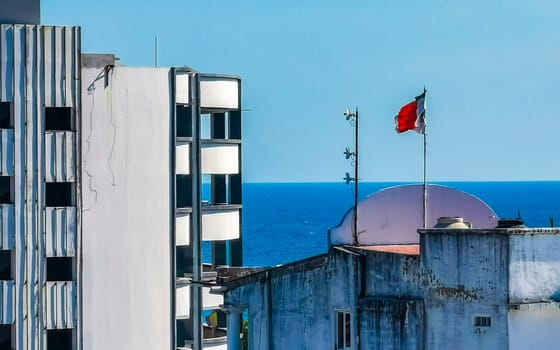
x,y
285,222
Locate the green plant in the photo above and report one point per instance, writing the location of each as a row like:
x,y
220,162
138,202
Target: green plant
x,y
245,331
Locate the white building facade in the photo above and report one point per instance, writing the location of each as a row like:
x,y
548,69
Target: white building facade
x,y
111,179
154,189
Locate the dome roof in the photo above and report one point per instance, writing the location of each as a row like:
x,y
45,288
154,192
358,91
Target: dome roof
x,y
393,215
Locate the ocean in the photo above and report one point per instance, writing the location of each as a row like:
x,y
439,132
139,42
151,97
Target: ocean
x,y
285,222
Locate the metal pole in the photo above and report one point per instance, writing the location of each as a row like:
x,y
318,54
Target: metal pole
x,y
356,183
196,215
156,51
425,199
425,185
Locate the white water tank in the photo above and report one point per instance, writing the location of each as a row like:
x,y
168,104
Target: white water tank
x,y
452,222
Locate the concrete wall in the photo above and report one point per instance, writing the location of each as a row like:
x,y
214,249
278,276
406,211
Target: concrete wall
x,y
394,275
534,329
534,269
466,272
391,324
303,298
126,209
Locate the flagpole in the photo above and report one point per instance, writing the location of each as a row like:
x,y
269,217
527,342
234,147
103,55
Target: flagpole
x,y
425,185
425,195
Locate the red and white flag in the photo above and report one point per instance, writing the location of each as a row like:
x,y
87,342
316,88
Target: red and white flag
x,y
412,116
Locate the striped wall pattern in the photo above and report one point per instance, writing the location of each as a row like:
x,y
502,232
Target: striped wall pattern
x,y
60,311
7,302
6,152
60,156
60,231
39,67
7,227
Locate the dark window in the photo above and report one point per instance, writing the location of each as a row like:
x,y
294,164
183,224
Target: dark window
x,y
59,194
482,321
6,190
235,125
60,269
184,121
6,116
59,339
218,126
184,260
6,265
343,330
184,191
184,332
59,118
6,336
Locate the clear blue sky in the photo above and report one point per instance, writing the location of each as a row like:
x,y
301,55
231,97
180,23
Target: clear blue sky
x,y
492,70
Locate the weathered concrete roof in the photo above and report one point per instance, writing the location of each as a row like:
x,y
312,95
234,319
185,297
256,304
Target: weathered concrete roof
x,y
294,267
491,231
539,305
407,249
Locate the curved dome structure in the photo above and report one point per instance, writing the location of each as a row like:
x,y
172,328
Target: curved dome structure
x,y
393,215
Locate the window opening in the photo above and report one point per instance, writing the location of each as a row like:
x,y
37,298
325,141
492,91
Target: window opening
x,y
60,339
183,191
483,321
60,269
206,189
183,117
343,330
205,128
6,115
59,118
6,265
6,331
59,194
6,190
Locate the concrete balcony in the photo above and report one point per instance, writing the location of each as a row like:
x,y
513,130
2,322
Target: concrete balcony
x,y
6,152
219,92
219,223
61,305
60,231
182,158
60,156
218,157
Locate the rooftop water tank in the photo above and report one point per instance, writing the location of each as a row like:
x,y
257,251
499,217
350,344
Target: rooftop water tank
x,y
452,222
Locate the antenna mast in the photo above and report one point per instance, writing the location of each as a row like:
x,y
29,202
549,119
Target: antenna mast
x,y
353,118
156,51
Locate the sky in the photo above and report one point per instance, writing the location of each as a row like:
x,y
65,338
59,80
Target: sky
x,y
491,69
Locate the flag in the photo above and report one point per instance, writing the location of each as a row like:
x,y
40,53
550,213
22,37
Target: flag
x,y
412,116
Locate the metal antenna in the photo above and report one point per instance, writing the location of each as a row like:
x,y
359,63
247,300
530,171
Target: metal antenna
x,y
156,51
353,118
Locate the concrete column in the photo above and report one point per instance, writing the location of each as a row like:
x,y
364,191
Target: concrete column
x,y
233,313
